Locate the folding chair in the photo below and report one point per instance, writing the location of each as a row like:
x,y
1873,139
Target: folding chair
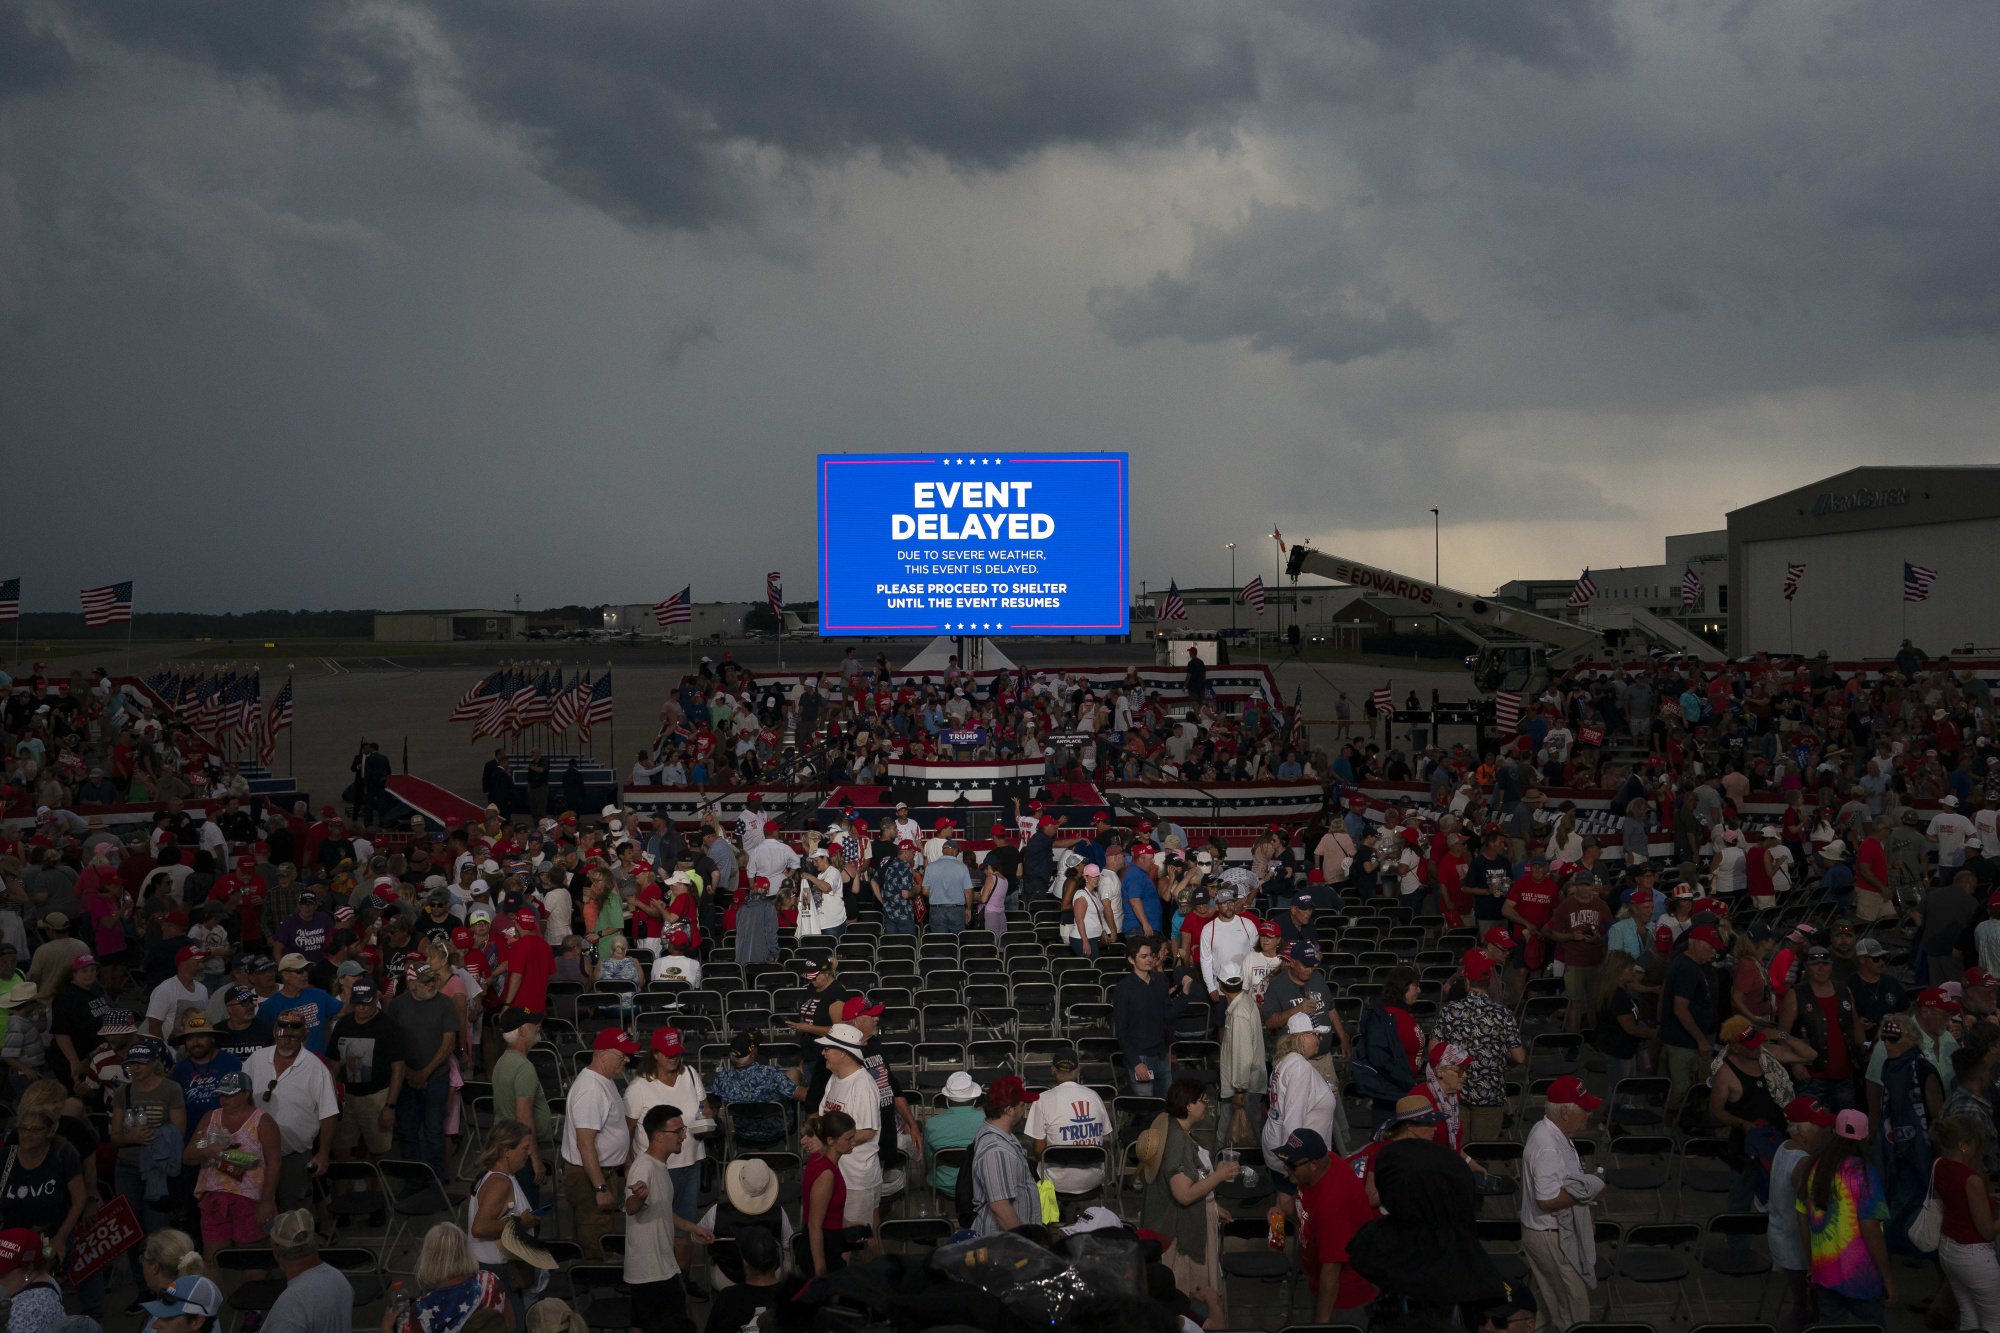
x,y
477,1099
1502,1232
1493,1153
1087,1020
605,1300
1658,1254
1255,1261
257,1295
369,1200
1553,1054
1640,1164
1715,1179
954,1159
1745,1260
908,1234
363,1268
1639,1101
760,1118
415,1192
1076,1159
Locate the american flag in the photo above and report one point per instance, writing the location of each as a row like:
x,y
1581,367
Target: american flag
x,y
774,593
1171,606
1385,700
1690,589
473,706
497,708
10,599
109,605
541,703
249,709
1917,581
1506,712
678,609
563,708
596,709
208,702
1585,589
1253,592
1793,573
280,719
522,701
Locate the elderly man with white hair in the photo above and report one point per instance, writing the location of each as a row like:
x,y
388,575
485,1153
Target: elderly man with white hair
x,y
1558,1238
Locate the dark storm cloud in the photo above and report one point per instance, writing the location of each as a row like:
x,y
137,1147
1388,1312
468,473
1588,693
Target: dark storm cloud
x,y
32,59
1287,279
640,108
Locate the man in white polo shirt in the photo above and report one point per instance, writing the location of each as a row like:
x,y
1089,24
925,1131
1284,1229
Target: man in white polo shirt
x,y
295,1088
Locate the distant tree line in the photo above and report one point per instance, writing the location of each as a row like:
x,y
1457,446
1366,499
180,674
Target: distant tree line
x,y
272,624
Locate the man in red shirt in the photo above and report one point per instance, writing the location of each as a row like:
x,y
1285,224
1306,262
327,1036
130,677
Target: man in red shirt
x,y
1448,873
529,962
1530,904
243,891
1872,899
1333,1205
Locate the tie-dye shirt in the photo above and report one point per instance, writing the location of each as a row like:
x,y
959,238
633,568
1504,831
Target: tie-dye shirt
x,y
1840,1258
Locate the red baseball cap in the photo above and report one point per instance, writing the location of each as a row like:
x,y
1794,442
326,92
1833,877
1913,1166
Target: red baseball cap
x,y
1268,928
1935,998
1708,935
1569,1091
1806,1111
667,1041
760,881
615,1039
943,822
857,1006
1478,967
246,863
905,845
20,1247
1979,976
461,938
1498,938
1315,876
770,826
1009,1090
527,919
187,954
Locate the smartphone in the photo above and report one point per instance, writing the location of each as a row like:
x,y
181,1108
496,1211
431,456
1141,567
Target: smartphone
x,y
544,1210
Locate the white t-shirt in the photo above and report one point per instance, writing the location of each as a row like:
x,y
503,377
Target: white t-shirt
x,y
908,829
858,1096
1987,822
1257,973
1949,829
649,1233
829,910
677,967
771,858
594,1103
1110,894
1070,1115
1225,942
171,1002
686,1095
1300,1099
557,906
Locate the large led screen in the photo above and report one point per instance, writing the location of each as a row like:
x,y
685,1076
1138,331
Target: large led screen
x,y
973,544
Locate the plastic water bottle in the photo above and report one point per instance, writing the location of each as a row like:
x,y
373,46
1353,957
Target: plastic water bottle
x,y
399,1305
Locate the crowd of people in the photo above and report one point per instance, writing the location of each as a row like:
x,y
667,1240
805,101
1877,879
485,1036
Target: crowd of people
x,y
214,1012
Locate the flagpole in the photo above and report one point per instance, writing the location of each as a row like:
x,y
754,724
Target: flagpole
x,y
130,617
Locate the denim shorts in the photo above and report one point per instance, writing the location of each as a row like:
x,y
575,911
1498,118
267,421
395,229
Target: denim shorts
x,y
687,1191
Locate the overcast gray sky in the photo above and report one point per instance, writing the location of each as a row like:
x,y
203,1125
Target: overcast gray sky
x,y
433,302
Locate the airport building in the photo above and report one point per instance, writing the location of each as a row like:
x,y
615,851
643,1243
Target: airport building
x,y
710,619
449,626
1859,539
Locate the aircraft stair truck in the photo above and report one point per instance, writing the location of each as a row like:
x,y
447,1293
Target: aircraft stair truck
x,y
1513,649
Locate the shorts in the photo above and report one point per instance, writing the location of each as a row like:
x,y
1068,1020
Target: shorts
x,y
661,1307
361,1121
1577,981
861,1204
1871,906
687,1191
230,1219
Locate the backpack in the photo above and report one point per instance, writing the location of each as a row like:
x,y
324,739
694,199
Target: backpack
x,y
1381,1070
961,1195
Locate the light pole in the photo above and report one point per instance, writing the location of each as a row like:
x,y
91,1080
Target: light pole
x,y
1232,588
1437,562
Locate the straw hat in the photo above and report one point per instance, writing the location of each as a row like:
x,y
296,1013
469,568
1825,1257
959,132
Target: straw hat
x,y
23,993
523,1245
553,1315
1152,1145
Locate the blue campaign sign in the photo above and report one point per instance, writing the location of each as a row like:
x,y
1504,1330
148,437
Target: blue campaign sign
x,y
974,544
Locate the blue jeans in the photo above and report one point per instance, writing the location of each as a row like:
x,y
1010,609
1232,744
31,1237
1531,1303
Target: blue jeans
x,y
1834,1308
151,1218
420,1120
1156,1086
947,920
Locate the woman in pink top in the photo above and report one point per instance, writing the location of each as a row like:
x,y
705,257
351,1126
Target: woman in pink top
x,y
236,1147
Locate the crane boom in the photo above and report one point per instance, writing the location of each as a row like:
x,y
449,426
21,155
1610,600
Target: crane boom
x,y
1567,643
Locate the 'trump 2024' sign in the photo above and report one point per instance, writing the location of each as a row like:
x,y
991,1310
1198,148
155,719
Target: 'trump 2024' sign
x,y
973,544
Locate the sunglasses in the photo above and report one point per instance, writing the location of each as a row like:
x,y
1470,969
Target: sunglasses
x,y
270,1088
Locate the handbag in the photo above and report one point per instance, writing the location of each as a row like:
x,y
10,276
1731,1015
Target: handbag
x,y
1927,1227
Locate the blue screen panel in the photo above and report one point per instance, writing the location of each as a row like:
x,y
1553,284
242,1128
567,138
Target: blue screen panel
x,y
974,543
